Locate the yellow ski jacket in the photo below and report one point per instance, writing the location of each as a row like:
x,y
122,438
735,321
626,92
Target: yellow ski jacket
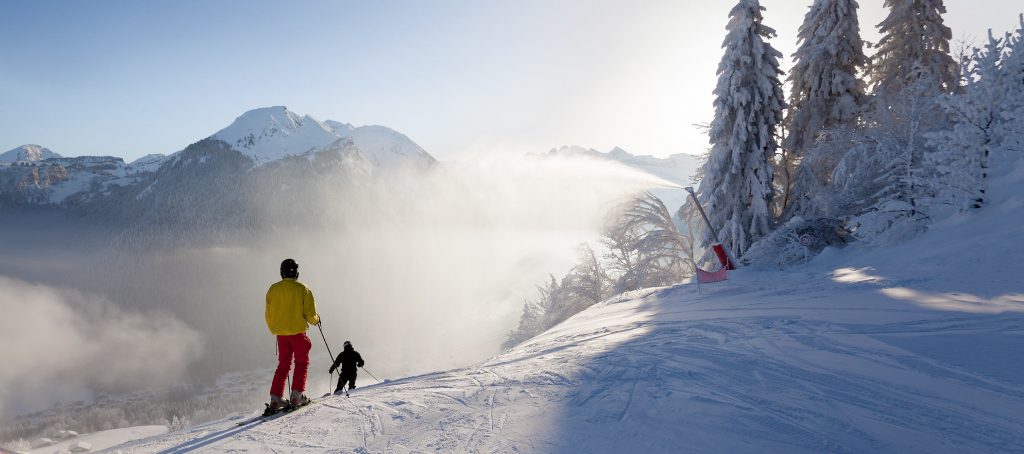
x,y
290,306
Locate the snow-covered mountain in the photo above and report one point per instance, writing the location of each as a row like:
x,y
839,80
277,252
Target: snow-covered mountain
x,y
56,180
32,175
271,133
27,153
914,348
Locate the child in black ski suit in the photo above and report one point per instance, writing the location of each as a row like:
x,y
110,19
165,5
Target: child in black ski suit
x,y
349,360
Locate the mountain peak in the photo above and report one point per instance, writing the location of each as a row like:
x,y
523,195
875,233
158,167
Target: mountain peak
x,y
617,152
28,153
270,133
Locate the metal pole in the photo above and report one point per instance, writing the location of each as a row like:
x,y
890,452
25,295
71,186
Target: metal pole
x,y
702,213
707,221
329,383
375,378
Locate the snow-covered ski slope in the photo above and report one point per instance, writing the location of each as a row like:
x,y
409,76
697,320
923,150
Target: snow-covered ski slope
x,y
915,348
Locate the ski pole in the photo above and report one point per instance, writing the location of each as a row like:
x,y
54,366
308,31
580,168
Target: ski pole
x,y
368,372
328,352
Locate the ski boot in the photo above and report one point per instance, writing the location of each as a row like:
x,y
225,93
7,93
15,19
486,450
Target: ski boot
x,y
299,399
277,403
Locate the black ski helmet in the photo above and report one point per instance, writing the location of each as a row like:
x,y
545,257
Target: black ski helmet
x,y
289,269
348,345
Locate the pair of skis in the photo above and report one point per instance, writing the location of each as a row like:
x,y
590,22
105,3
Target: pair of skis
x,y
269,414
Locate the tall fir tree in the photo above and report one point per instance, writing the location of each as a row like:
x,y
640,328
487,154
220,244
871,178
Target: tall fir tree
x,y
825,90
914,44
737,184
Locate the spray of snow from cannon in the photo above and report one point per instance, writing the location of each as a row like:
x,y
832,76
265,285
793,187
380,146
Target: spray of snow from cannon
x,y
433,275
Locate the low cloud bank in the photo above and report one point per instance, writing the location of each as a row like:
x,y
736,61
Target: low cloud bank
x,y
58,344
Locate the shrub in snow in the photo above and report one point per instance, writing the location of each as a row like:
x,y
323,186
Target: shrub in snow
x,y
890,222
796,241
645,247
176,424
19,445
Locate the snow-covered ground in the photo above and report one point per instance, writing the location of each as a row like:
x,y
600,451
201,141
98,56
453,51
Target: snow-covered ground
x,y
915,348
99,440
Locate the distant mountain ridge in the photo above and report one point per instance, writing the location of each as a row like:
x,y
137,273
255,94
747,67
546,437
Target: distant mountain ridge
x,y
32,175
256,172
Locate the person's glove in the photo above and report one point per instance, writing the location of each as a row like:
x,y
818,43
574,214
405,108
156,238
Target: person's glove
x,y
331,371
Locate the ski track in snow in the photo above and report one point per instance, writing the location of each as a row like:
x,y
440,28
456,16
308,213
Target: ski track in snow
x,y
806,361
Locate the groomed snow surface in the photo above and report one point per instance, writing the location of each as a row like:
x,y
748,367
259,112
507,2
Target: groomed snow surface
x,y
914,348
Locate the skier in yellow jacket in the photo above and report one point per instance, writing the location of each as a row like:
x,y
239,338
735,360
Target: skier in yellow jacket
x,y
290,310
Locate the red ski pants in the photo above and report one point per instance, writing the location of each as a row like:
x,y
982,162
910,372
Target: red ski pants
x,y
296,345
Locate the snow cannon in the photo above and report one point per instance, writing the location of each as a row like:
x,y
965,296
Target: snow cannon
x,y
723,257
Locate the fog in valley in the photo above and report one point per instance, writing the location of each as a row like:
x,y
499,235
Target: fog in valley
x,y
423,269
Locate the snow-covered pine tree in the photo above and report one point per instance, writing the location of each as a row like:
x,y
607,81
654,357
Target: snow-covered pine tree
x,y
962,153
885,180
737,186
585,285
882,181
1013,115
914,43
814,187
532,320
825,91
588,281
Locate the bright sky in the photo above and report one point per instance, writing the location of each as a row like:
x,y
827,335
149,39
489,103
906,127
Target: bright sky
x,y
128,78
